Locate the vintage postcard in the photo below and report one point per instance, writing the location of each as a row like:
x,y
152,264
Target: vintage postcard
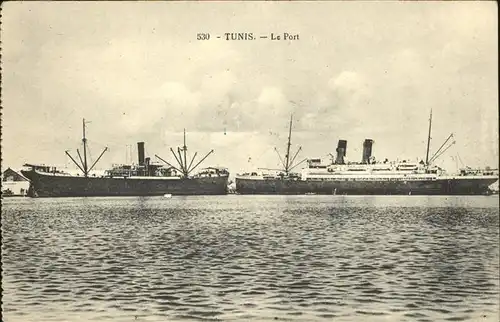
x,y
250,161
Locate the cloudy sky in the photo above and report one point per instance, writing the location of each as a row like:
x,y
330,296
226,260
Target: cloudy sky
x,y
359,70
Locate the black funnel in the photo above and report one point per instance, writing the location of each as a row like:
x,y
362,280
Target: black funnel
x,y
367,151
140,152
341,151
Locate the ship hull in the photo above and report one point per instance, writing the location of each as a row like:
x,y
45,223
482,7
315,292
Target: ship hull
x,y
450,186
48,185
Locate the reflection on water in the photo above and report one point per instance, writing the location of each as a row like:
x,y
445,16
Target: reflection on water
x,y
301,258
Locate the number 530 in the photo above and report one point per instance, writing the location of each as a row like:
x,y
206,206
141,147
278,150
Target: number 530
x,y
203,36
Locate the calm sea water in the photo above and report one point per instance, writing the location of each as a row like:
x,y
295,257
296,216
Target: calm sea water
x,y
303,258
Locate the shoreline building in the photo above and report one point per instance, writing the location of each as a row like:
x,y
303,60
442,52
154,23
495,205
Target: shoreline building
x,y
14,183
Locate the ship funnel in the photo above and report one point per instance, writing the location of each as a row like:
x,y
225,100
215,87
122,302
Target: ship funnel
x,y
367,151
341,151
140,152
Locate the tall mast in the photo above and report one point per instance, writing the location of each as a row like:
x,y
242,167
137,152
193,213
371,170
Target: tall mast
x,y
287,157
84,140
185,157
428,140
83,162
289,162
184,168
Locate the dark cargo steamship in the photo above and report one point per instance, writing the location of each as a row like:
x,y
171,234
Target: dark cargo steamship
x,y
143,179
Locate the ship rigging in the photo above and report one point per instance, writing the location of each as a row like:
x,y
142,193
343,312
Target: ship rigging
x,y
288,163
440,151
182,159
83,165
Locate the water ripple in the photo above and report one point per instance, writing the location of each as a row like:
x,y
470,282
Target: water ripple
x,y
243,258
